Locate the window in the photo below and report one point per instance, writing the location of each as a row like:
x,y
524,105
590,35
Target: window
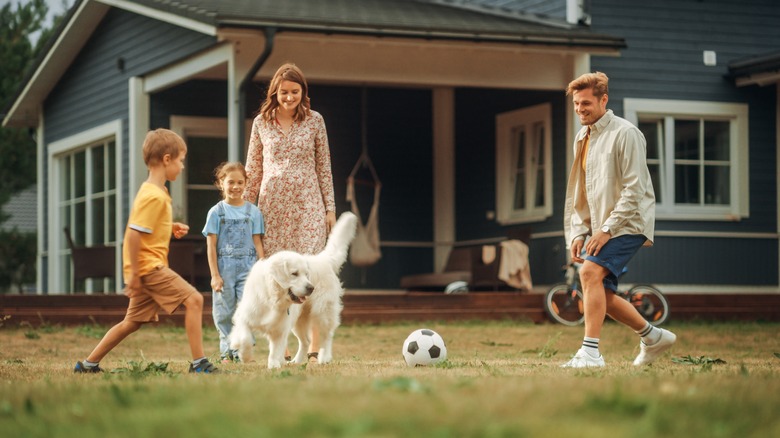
x,y
87,205
194,193
697,153
524,165
203,155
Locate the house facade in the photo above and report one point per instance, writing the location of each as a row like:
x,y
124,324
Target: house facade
x,y
460,106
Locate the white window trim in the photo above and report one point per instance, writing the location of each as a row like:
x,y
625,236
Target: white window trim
x,y
56,236
505,213
740,190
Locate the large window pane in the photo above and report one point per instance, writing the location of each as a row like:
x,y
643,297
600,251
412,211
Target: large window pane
x,y
686,139
655,176
79,174
653,132
716,141
518,134
650,131
79,221
111,219
716,185
538,164
98,169
686,184
65,183
110,167
98,221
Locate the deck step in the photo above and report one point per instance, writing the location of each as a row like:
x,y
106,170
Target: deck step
x,y
368,308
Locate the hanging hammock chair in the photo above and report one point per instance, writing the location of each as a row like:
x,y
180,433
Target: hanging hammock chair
x,y
365,250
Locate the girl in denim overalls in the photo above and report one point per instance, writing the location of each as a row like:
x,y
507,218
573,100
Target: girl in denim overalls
x,y
234,230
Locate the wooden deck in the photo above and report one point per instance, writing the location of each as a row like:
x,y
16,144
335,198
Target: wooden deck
x,y
378,307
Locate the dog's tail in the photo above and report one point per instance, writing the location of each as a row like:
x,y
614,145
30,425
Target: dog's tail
x,y
240,336
340,237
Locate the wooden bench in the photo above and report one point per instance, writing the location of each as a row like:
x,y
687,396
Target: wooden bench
x,y
463,264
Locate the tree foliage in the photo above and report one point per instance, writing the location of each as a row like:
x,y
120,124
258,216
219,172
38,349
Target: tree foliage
x,y
18,22
23,35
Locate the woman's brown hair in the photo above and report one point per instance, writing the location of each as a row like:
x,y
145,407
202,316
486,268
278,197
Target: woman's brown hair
x,y
287,72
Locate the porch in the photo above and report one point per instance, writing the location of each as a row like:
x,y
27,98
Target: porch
x,y
376,307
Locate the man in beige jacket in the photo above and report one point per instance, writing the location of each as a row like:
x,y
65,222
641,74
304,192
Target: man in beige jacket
x,y
609,215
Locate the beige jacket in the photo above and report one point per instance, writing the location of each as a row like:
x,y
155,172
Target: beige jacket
x,y
618,189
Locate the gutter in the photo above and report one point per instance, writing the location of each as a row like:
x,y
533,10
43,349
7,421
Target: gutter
x,y
592,41
270,34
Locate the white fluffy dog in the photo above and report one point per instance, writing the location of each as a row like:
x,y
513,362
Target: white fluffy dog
x,y
290,291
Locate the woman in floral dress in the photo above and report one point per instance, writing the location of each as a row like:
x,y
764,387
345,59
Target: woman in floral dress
x,y
289,171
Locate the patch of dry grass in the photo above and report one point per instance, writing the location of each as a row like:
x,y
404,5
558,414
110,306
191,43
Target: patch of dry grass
x,y
500,379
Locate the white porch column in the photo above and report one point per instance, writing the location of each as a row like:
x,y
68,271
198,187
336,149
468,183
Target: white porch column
x,y
580,66
138,126
233,112
443,175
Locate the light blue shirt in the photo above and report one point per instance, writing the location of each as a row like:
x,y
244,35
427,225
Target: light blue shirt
x,y
231,212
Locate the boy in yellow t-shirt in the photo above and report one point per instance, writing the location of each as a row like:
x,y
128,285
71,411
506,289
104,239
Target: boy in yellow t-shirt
x,y
150,284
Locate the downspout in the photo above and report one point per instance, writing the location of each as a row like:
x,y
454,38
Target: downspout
x,y
270,34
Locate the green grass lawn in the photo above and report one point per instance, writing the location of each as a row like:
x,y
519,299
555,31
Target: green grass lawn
x,y
501,379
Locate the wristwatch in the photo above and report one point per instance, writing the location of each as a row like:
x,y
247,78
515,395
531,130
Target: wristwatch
x,y
605,229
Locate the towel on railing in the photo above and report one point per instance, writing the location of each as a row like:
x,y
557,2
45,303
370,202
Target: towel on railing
x,y
515,269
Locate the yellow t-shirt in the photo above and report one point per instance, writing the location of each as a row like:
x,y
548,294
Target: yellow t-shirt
x,y
152,216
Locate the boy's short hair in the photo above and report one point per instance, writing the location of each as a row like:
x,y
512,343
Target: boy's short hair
x,y
161,142
598,81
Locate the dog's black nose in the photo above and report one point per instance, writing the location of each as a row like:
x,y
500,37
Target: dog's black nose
x,y
309,289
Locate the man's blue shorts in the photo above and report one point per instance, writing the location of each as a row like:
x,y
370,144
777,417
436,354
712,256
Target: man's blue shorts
x,y
615,255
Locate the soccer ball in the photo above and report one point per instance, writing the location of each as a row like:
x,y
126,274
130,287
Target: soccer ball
x,y
424,347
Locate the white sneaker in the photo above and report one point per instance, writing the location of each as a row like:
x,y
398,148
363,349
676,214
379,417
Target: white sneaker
x,y
584,360
649,353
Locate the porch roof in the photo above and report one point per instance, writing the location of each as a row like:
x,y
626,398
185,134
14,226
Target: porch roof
x,y
431,19
762,69
471,21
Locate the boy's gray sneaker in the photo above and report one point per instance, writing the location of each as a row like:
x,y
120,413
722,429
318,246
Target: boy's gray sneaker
x,y
203,367
81,368
649,353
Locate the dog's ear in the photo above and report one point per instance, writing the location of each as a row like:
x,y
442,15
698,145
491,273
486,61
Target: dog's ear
x,y
279,272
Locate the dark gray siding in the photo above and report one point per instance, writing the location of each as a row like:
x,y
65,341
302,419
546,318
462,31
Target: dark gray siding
x,y
94,91
664,60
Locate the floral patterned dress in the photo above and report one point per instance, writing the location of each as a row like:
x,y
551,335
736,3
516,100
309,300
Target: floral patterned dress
x,y
289,176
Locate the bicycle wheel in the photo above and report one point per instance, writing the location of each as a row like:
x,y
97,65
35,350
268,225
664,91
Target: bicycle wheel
x,y
650,303
564,305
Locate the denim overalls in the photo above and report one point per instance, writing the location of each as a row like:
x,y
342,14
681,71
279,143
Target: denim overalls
x,y
236,255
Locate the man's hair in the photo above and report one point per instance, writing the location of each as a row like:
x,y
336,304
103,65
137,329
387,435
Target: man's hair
x,y
287,72
160,142
598,81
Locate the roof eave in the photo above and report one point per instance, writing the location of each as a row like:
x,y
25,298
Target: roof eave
x,y
75,30
596,42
